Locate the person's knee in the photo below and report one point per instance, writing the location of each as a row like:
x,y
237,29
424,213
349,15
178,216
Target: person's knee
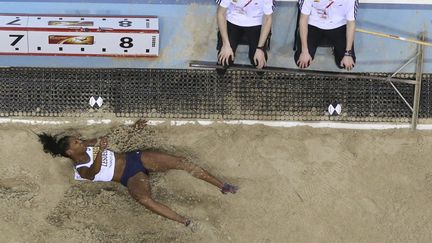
x,y
146,200
191,168
181,159
180,163
185,164
195,170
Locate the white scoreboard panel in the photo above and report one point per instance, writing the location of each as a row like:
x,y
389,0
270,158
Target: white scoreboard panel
x,y
132,36
111,23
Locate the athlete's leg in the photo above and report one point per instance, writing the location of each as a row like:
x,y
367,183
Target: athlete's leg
x,y
160,162
139,188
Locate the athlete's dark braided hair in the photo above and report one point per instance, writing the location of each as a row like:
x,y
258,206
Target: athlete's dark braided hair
x,y
54,146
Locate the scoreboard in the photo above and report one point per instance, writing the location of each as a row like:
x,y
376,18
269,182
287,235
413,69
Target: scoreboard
x,y
126,36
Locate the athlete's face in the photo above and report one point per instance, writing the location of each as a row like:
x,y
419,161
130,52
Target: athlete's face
x,y
76,144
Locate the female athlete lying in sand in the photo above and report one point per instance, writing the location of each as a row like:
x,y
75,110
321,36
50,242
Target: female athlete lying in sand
x,y
131,169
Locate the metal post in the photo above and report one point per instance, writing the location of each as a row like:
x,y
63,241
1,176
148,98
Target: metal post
x,y
418,85
395,88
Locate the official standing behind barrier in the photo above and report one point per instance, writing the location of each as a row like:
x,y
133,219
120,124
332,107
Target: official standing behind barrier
x,y
330,20
248,20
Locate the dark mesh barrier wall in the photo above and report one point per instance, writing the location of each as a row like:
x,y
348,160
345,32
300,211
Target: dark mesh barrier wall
x,y
168,93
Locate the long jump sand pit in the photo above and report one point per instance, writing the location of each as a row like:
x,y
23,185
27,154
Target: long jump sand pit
x,y
297,184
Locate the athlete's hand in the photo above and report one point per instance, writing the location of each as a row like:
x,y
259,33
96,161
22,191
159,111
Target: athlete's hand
x,y
347,63
226,53
304,60
259,59
103,144
140,124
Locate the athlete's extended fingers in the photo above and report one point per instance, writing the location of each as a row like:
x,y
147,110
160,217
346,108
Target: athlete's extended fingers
x,y
226,60
301,65
260,63
298,63
232,57
255,59
219,59
222,57
346,65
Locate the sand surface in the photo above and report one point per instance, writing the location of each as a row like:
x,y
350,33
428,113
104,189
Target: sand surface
x,y
296,185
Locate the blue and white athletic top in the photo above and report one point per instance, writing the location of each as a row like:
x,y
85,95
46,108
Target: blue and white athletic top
x,y
106,172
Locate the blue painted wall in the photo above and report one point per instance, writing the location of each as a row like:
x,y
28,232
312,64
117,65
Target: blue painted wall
x,y
188,32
